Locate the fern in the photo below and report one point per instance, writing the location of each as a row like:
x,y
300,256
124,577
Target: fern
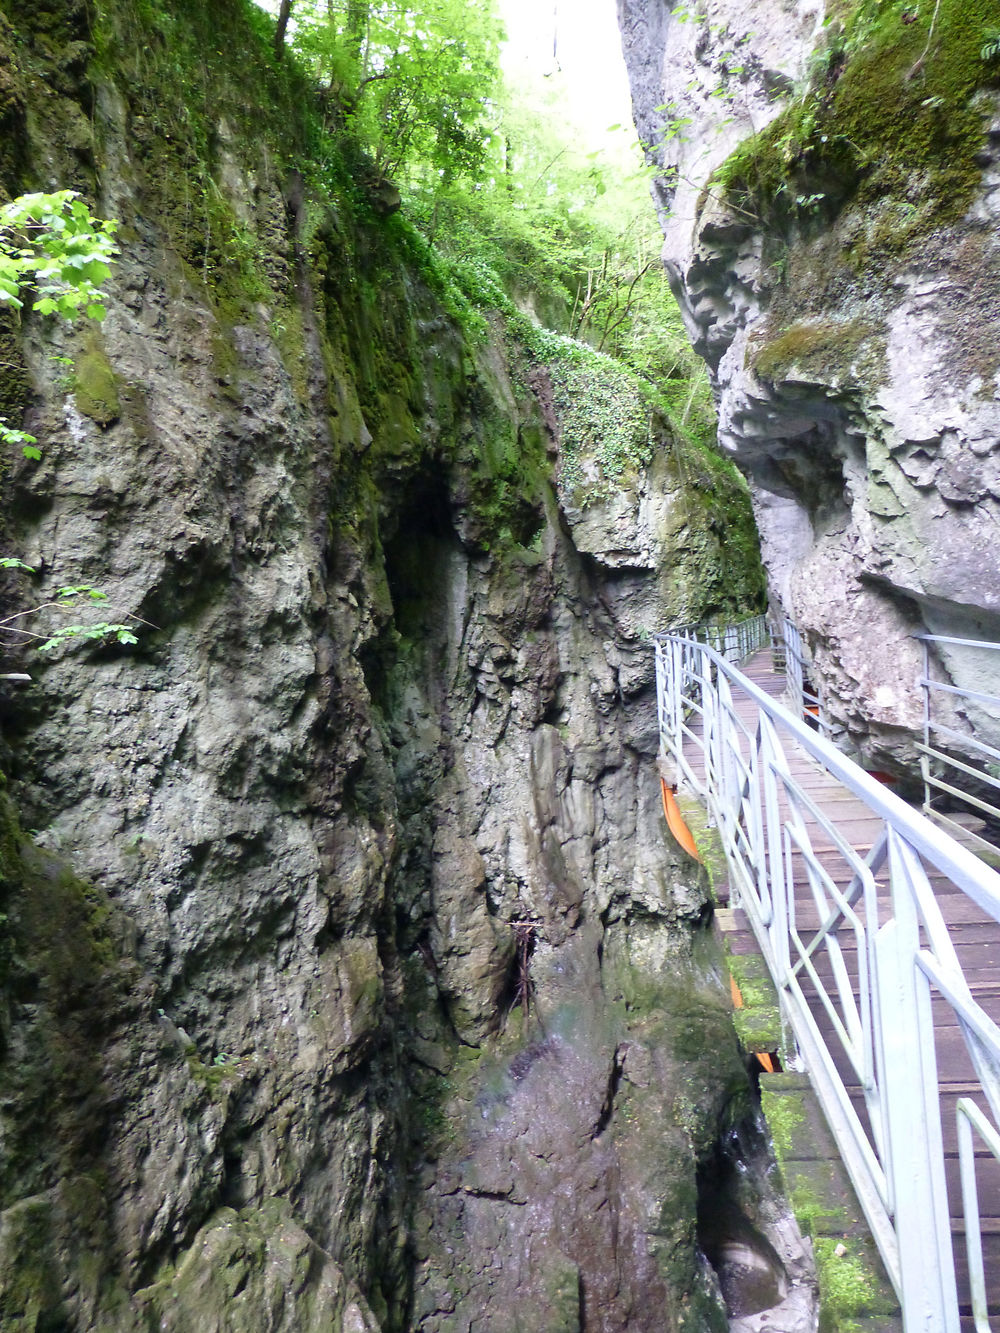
x,y
990,50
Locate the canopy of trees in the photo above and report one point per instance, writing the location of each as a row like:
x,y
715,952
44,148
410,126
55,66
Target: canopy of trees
x,y
499,179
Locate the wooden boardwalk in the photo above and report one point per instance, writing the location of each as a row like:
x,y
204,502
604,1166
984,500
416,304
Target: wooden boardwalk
x,y
977,940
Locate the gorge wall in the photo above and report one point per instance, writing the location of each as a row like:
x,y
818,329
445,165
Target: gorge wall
x,y
828,181
347,981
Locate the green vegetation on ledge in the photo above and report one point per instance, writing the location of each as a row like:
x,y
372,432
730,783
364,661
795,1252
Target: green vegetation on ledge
x,y
892,119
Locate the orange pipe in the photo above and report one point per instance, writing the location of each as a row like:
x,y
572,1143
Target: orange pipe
x,y
675,821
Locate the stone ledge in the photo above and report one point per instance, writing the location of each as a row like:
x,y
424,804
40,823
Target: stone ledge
x,y
856,1295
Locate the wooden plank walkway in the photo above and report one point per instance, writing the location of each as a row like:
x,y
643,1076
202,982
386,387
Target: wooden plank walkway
x,y
976,937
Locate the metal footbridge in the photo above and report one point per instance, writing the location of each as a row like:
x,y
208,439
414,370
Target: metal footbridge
x,y
881,932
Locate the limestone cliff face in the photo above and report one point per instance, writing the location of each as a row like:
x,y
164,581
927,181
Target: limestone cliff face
x,y
372,880
839,273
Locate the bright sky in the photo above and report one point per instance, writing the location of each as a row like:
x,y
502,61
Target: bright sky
x,y
588,51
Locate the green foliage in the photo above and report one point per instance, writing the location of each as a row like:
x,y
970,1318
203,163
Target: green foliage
x,y
412,80
65,598
51,244
100,631
570,235
56,255
607,416
28,443
990,49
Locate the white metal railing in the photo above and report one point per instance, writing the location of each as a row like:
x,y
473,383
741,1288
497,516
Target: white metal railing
x,y
859,950
806,698
735,640
960,766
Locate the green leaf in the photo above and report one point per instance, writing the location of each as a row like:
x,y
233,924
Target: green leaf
x,y
82,589
31,451
53,242
92,633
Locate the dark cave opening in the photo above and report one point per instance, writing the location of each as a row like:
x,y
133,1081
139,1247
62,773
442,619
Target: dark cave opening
x,y
415,543
732,1188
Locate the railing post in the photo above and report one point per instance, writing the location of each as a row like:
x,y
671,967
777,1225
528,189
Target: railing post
x,y
677,697
774,865
925,759
914,1146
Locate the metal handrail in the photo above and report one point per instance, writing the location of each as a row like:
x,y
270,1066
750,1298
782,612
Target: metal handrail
x,y
938,762
865,972
798,666
735,640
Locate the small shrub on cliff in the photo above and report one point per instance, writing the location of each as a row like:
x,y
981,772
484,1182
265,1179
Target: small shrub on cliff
x,y
52,248
67,598
54,256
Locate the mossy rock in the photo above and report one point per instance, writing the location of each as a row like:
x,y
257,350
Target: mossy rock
x,y
819,351
95,387
893,112
244,1263
29,1272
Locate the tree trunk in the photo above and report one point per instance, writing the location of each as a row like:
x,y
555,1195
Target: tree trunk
x,y
279,33
357,24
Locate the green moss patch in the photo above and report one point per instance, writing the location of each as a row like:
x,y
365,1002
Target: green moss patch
x,y
95,388
819,350
785,1116
707,840
853,1285
893,113
758,1022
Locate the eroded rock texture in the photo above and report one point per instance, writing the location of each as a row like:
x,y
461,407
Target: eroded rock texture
x,y
281,1058
840,276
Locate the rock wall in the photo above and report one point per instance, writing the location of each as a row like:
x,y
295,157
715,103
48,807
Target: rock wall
x,y
830,184
373,974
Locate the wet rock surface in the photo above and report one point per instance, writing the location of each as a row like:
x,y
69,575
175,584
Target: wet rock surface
x,y
380,1002
854,387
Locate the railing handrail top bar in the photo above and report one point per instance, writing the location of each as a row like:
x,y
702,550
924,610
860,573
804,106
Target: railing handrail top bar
x,y
677,630
972,875
978,695
961,643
